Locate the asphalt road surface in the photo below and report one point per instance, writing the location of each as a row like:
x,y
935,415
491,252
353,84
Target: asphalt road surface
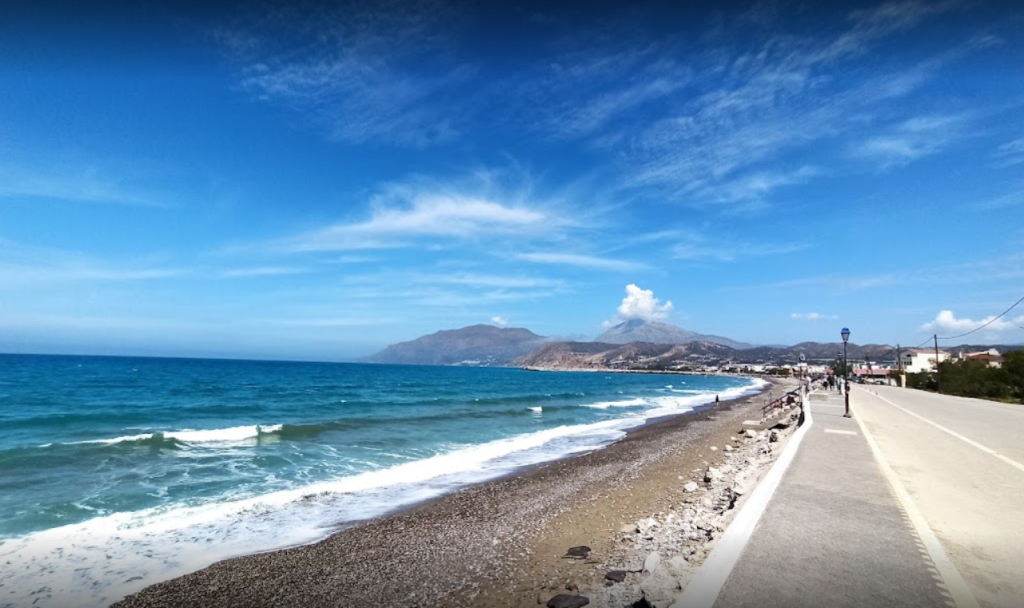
x,y
962,462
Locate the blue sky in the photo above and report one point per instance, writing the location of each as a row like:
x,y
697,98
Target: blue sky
x,y
320,181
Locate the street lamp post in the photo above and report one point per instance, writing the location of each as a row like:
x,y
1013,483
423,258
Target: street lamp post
x,y
846,375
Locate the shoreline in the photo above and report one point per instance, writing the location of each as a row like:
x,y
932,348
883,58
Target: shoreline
x,y
475,545
667,372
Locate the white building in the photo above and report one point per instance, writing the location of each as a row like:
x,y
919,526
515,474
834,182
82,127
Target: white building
x,y
990,356
917,360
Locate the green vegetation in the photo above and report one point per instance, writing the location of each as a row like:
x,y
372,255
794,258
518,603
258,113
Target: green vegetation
x,y
976,379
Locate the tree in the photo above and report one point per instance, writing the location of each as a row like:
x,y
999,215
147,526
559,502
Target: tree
x,y
974,378
1013,366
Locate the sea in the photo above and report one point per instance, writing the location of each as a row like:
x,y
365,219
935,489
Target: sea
x,y
117,473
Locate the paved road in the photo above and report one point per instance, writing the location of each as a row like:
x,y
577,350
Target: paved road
x,y
966,478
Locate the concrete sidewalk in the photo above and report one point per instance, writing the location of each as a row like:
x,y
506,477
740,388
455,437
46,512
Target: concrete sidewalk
x,y
834,533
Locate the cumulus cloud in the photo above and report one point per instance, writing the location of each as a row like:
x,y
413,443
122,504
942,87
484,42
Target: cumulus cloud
x,y
499,321
641,304
812,316
947,323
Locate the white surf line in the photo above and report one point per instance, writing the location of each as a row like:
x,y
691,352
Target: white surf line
x,y
703,589
955,584
971,442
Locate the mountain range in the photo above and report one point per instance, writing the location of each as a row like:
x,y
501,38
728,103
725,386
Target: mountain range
x,y
629,345
487,345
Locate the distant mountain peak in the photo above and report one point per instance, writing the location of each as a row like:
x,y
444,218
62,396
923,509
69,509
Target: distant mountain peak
x,y
481,345
656,332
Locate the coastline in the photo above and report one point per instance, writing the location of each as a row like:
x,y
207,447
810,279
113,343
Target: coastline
x,y
498,543
614,370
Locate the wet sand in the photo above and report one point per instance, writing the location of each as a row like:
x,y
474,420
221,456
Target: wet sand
x,y
500,543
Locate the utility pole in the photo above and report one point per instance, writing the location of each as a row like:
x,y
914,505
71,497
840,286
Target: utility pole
x,y
936,362
899,366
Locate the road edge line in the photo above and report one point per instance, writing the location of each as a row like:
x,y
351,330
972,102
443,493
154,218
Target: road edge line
x,y
958,589
965,439
704,588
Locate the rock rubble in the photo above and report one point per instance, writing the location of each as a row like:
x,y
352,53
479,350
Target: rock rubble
x,y
673,544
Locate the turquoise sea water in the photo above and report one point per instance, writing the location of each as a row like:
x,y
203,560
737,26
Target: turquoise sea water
x,y
116,473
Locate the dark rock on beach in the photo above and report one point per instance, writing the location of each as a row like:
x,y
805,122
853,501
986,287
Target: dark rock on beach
x,y
578,552
564,600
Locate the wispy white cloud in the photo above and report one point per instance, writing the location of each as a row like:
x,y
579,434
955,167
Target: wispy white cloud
x,y
688,121
499,321
995,269
1005,201
871,24
998,269
912,139
323,322
426,215
73,183
495,207
829,283
366,71
774,93
694,246
451,289
29,265
754,186
583,261
478,280
580,93
262,271
812,316
43,322
1010,154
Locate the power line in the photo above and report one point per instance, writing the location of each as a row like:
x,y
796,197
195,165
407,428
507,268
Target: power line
x,y
984,325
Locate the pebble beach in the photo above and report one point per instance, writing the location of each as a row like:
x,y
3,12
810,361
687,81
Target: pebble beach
x,y
641,514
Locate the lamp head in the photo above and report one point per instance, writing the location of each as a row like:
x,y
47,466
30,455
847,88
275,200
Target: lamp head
x,y
845,334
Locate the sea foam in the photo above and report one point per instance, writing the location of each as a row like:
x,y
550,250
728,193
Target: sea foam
x,y
99,561
601,405
233,434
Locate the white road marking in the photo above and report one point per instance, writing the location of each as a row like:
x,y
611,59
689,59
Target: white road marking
x,y
987,450
955,584
703,589
838,432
